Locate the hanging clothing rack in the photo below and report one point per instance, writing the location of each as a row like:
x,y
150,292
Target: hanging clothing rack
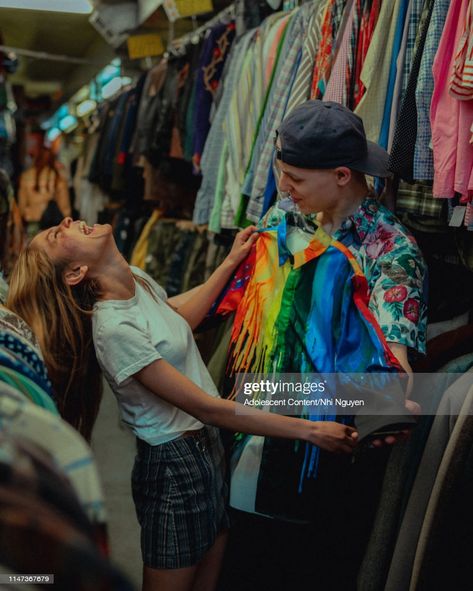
x,y
180,42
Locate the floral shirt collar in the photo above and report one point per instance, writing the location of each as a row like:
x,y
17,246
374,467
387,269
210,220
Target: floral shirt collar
x,y
361,223
392,264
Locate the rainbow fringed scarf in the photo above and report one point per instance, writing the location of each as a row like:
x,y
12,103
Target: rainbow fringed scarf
x,y
305,312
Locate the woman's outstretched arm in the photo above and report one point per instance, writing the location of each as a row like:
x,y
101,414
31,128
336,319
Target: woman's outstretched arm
x,y
168,383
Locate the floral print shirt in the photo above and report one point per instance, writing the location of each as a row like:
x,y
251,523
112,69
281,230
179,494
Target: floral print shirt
x,y
393,266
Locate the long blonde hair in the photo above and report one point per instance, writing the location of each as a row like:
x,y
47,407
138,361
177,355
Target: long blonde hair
x,y
61,318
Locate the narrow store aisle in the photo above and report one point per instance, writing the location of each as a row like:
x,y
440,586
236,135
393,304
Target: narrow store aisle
x,y
114,448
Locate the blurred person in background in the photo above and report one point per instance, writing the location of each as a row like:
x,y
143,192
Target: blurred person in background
x,y
43,194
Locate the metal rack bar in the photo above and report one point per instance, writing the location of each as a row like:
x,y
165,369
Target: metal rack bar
x,y
43,55
228,12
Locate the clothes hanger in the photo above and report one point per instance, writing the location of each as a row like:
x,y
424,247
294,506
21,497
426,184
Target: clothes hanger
x,y
296,217
178,46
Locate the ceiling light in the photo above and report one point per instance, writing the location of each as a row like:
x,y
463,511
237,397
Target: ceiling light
x,y
53,133
85,108
115,85
82,94
111,87
111,71
77,6
67,124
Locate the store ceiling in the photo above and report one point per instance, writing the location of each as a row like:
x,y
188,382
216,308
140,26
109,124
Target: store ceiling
x,y
51,32
72,35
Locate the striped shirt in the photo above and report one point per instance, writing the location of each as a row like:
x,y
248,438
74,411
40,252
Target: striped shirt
x,y
461,81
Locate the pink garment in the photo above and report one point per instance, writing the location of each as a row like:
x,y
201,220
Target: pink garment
x,y
337,85
461,83
451,119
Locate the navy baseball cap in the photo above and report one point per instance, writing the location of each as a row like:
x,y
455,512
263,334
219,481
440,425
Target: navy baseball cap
x,y
320,134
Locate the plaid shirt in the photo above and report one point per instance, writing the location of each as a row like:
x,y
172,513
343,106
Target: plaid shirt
x,y
413,29
275,109
338,83
423,157
323,61
418,200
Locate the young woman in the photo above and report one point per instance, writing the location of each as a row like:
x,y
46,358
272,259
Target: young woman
x,y
71,284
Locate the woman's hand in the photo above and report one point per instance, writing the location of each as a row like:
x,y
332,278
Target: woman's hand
x,y
331,436
242,244
195,304
164,380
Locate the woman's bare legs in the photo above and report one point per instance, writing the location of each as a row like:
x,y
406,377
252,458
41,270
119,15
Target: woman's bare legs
x,y
201,577
208,571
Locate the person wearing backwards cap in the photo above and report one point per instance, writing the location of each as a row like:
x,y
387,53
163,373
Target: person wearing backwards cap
x,y
322,157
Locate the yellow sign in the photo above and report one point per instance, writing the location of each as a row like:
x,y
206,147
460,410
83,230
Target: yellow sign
x,y
191,7
144,46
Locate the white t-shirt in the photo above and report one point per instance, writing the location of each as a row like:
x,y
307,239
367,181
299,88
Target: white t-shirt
x,y
131,334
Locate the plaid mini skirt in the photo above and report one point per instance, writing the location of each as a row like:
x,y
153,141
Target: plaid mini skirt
x,y
180,498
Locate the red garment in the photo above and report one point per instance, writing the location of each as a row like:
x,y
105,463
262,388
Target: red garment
x,y
324,55
368,24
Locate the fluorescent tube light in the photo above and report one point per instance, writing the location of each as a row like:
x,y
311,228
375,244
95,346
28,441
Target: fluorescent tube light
x,y
85,108
53,133
67,124
75,6
114,86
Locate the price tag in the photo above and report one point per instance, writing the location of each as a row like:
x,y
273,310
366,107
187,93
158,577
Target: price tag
x,y
457,216
191,7
144,46
181,8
